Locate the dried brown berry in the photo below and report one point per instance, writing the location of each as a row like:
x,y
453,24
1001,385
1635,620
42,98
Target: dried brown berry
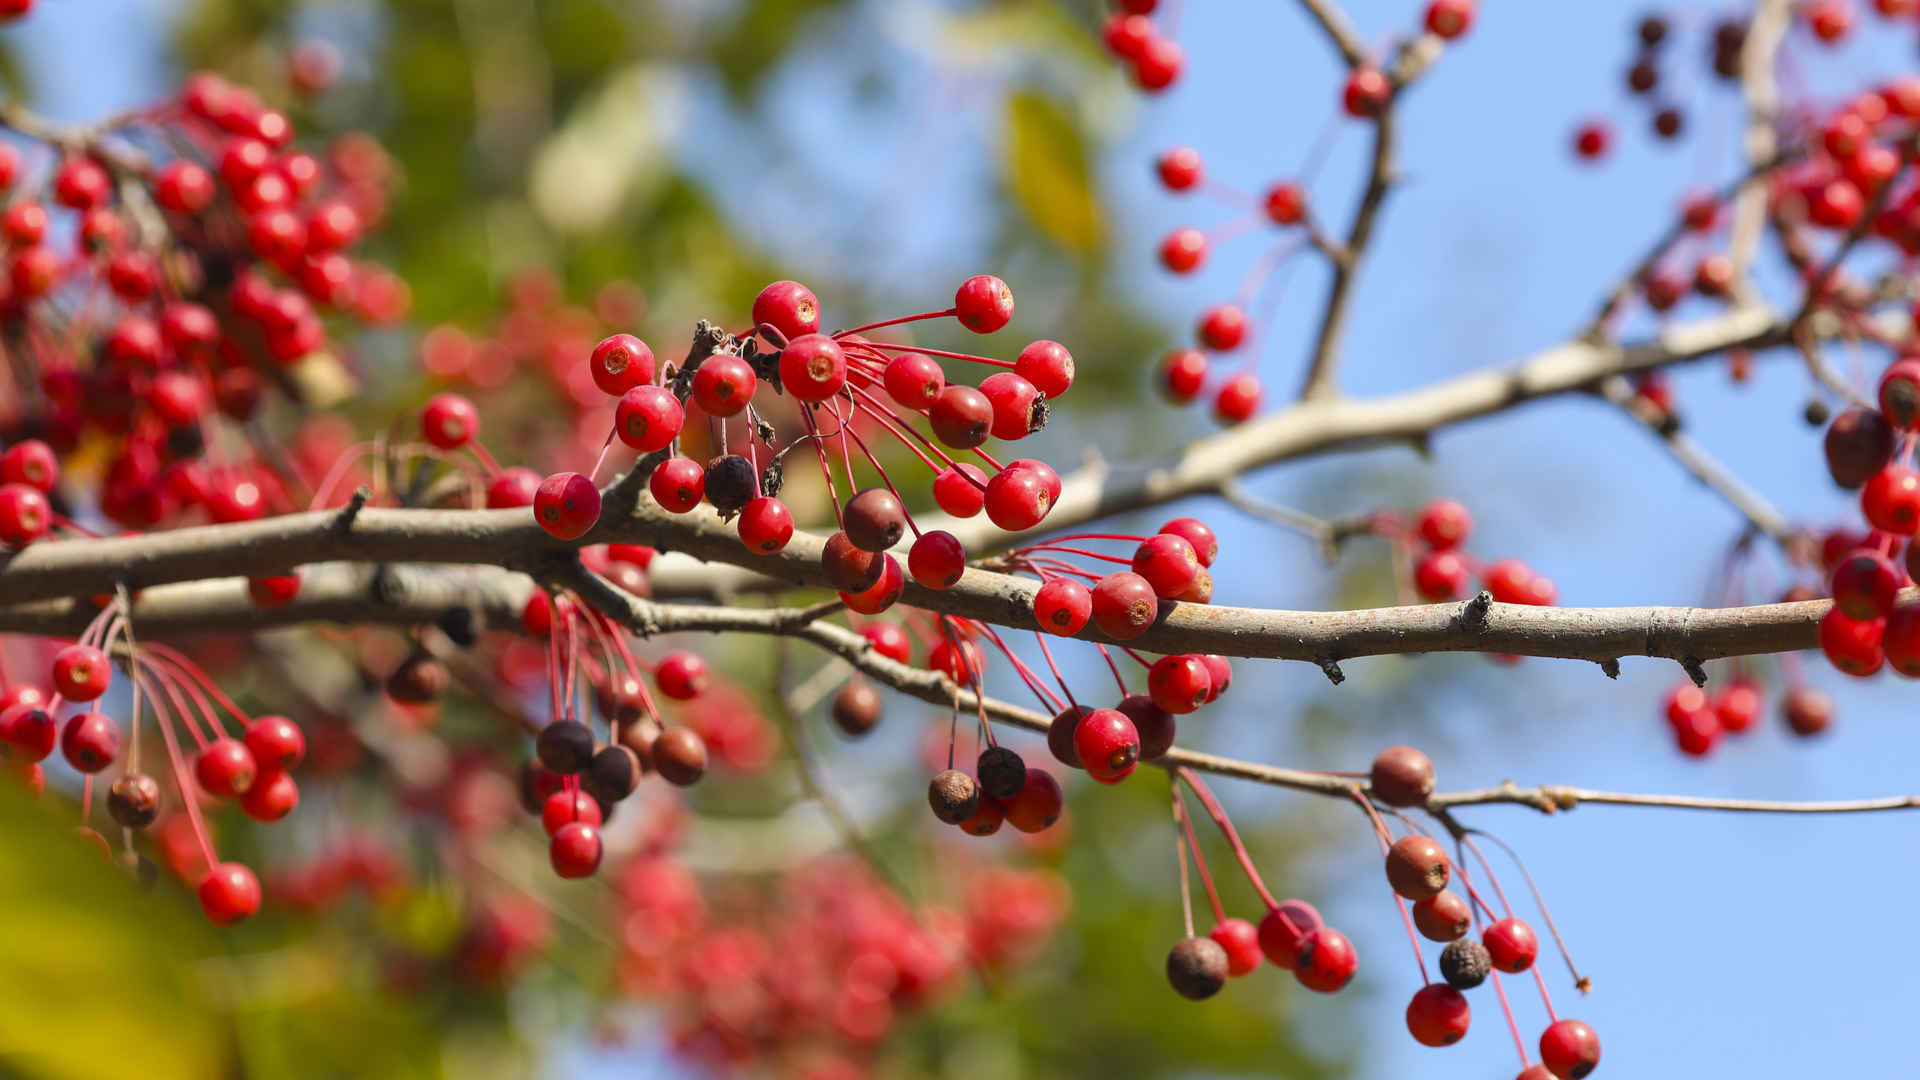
x,y
856,708
1155,726
134,800
1417,867
680,756
1464,964
1002,772
954,796
731,483
1402,776
874,519
1858,444
1197,968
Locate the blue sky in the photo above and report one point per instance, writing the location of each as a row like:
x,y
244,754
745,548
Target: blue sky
x,y
1719,944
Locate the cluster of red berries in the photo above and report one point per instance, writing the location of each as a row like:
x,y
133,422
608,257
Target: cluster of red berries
x,y
1698,719
1184,374
1872,451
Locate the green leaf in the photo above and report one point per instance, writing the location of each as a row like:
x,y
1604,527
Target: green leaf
x,y
1045,154
95,965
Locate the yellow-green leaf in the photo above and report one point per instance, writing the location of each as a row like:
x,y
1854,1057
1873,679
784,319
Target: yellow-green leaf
x,y
1046,156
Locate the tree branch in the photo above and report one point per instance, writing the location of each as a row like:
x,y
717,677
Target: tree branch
x,y
1339,31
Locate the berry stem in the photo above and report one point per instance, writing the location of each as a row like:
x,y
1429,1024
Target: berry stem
x,y
1399,902
1219,816
188,798
1051,666
1566,955
1199,860
896,322
940,352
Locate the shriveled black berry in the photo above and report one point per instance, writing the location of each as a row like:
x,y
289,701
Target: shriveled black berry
x,y
730,483
1197,968
954,796
460,626
1002,772
1816,413
680,756
134,800
419,679
1465,963
856,708
565,746
1859,444
612,774
874,519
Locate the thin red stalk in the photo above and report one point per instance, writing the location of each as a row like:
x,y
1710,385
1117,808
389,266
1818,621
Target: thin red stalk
x,y
188,797
1219,816
1055,668
1399,902
941,352
1107,655
806,414
895,322
1199,860
1539,901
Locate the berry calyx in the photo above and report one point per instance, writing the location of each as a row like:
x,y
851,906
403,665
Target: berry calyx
x,y
813,367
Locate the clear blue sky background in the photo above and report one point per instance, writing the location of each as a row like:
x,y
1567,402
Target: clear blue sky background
x,y
1720,945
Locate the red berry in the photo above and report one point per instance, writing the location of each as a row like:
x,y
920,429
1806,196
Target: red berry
x,y
89,742
681,675
1012,399
81,672
620,363
1286,203
937,559
1221,672
1592,140
24,224
765,524
1837,205
1124,605
961,417
1899,404
958,659
1038,804
1444,916
276,743
788,307
1445,524
1852,645
813,367
1167,562
1017,499
1180,168
889,640
449,421
273,591
184,188
960,489
28,730
1865,583
1830,20
1440,575
1107,745
1417,867
1901,642
1159,63
1284,928
1238,398
34,272
574,851
1128,35
225,768
1179,684
1510,581
1047,365
512,487
1449,19
333,226
30,462
272,796
1241,942
1569,1049
229,893
1062,606
914,380
1182,373
1807,711
1438,1015
677,484
25,515
1223,327
567,505
563,808
1183,250
883,593
1512,945
724,385
983,303
1401,776
1325,960
649,418
1738,707
1366,93
82,184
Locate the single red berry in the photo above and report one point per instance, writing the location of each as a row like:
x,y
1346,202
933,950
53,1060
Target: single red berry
x,y
567,505
1182,373
765,524
28,730
1417,867
1444,916
1739,705
34,273
1124,605
788,307
1510,581
1865,583
1284,928
1238,398
961,489
639,555
1325,961
1286,203
1017,499
1158,64
1206,546
649,418
1221,672
1695,733
512,487
883,593
274,590
1438,1015
1837,205
724,385
937,559
1222,327
1401,776
90,742
30,462
1047,365
25,515
874,519
1179,684
983,303
1512,945
1013,399
449,421
184,187
229,893
1449,19
988,813
1128,35
1183,250
1899,398
849,568
276,743
1445,524
1440,575
889,640
677,484
1062,606
1853,645
225,768
813,367
333,226
620,363
81,672
24,224
272,796
1830,20
1808,712
1180,168
1241,942
563,808
1167,562
681,675
1591,140
914,380
961,416
1569,1049
1713,276
1107,744
1038,805
1366,93
82,184
574,851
